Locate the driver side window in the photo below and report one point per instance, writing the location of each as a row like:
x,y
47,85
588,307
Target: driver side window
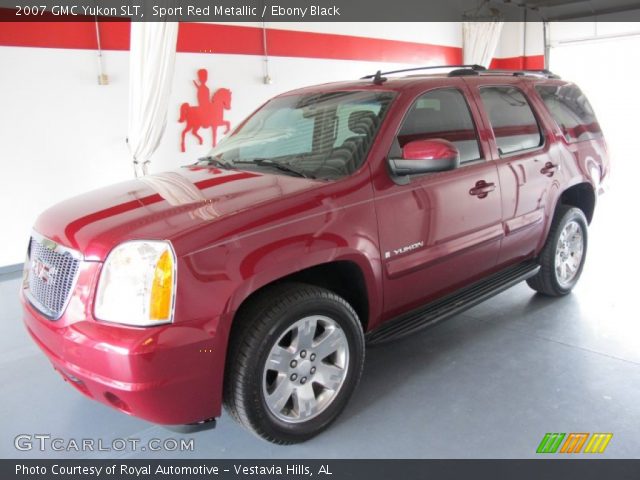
x,y
442,113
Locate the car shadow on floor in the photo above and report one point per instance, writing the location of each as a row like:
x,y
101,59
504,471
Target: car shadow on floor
x,y
391,365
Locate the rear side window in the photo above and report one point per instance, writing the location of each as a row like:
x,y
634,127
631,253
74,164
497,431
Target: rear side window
x,y
514,124
442,113
571,110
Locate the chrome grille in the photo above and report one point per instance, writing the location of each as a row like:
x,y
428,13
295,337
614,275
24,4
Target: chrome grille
x,y
52,272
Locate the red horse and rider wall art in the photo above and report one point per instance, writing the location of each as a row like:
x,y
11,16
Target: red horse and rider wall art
x,y
209,113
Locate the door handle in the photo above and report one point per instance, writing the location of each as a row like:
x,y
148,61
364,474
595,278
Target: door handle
x,y
482,189
549,169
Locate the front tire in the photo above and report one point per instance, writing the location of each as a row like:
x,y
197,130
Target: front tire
x,y
296,355
563,256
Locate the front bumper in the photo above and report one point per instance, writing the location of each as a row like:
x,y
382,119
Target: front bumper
x,y
165,374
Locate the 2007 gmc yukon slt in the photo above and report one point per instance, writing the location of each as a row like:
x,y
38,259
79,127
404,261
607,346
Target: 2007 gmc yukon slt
x,y
334,216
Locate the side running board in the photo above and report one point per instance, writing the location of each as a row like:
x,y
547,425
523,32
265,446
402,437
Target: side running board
x,y
451,304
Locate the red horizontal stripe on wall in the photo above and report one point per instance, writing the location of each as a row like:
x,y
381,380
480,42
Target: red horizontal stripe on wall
x,y
233,39
230,39
212,38
359,48
530,62
81,35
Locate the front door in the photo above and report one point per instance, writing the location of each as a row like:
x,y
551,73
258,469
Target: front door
x,y
438,231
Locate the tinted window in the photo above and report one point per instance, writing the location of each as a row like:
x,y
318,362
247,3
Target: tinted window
x,y
514,124
571,110
444,114
319,135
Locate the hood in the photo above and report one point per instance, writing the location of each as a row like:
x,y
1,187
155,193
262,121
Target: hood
x,y
160,206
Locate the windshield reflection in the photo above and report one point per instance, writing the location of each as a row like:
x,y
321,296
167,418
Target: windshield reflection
x,y
325,136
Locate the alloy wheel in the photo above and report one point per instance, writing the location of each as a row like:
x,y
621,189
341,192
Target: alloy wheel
x,y
305,369
569,253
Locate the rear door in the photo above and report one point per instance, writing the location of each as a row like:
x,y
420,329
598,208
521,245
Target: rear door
x,y
576,125
527,169
438,231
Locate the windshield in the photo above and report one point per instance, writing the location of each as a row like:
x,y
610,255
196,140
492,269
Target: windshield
x,y
324,136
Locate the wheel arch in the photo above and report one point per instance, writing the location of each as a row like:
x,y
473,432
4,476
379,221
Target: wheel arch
x,y
344,277
582,196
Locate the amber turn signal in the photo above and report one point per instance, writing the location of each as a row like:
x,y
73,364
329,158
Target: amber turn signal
x,y
162,288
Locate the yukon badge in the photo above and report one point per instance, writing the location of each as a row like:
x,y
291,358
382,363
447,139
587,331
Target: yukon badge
x,y
401,250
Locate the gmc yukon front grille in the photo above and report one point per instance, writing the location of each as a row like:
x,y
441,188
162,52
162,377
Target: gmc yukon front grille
x,y
51,274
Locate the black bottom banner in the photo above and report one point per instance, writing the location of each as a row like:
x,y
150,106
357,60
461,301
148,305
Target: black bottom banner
x,y
543,469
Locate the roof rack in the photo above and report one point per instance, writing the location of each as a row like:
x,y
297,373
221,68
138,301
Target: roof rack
x,y
542,72
462,70
516,73
378,78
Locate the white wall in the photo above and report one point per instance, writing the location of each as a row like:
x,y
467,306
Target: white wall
x,y
63,134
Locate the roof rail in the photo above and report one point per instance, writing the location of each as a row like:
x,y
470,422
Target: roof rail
x,y
544,72
462,70
378,78
516,73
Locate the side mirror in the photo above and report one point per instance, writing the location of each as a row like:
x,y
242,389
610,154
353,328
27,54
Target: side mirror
x,y
426,156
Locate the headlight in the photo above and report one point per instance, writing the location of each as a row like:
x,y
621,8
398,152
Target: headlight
x,y
137,284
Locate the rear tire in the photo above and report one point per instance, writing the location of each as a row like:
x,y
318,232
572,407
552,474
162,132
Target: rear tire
x,y
295,357
564,253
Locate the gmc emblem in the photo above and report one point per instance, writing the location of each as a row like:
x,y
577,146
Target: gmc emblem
x,y
43,271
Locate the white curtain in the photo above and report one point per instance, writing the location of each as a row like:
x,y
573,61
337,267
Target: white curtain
x,y
479,41
151,64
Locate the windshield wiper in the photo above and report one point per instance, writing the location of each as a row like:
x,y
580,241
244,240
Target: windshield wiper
x,y
267,162
216,163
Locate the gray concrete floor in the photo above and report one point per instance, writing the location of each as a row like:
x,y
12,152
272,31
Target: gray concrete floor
x,y
488,383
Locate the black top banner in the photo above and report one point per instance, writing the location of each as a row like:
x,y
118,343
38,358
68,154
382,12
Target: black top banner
x,y
318,10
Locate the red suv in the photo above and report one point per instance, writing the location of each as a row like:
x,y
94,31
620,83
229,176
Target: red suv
x,y
333,217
